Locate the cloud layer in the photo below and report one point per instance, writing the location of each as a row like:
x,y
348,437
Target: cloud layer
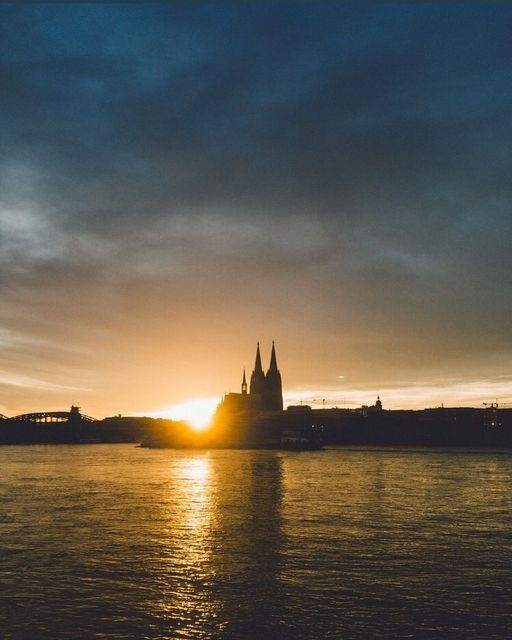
x,y
178,181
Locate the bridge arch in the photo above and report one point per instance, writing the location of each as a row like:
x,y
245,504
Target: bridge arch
x,y
52,417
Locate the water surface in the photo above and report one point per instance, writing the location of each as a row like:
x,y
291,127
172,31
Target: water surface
x,y
114,541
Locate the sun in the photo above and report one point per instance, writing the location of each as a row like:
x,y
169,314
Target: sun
x,y
197,412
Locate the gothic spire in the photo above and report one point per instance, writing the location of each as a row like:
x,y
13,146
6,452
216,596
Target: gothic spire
x,y
273,385
258,377
273,359
257,364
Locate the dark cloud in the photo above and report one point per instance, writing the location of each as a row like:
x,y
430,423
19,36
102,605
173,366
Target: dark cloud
x,y
338,170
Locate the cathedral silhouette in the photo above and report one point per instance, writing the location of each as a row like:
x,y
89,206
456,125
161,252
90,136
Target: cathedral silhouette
x,y
268,387
265,390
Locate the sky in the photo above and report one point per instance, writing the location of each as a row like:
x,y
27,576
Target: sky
x,y
179,181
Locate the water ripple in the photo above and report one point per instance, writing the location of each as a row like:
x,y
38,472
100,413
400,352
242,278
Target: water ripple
x,y
117,542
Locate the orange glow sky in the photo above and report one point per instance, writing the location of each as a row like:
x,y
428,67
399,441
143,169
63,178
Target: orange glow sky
x,y
178,183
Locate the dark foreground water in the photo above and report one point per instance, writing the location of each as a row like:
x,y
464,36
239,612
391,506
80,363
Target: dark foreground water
x,y
119,542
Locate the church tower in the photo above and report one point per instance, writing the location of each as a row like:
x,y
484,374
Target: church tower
x,y
257,386
244,385
273,396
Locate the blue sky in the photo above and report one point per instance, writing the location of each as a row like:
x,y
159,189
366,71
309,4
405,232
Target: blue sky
x,y
180,180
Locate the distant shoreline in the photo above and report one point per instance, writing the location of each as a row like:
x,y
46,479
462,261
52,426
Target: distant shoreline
x,y
299,428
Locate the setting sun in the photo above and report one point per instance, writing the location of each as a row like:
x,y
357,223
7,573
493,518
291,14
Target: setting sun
x,y
198,411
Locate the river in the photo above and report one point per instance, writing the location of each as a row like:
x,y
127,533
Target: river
x,y
115,541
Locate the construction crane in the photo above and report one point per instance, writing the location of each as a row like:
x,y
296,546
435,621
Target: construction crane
x,y
493,417
495,405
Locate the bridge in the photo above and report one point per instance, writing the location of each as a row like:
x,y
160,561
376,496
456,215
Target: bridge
x,y
49,417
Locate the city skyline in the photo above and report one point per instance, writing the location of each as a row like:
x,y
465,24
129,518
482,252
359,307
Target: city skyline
x,y
179,182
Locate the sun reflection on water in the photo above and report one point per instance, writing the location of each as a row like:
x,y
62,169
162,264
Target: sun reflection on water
x,y
195,473
187,599
197,470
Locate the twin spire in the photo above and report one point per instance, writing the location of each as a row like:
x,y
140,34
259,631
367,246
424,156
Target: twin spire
x,y
268,387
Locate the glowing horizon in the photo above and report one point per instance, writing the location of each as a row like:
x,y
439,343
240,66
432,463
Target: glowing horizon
x,y
449,393
196,411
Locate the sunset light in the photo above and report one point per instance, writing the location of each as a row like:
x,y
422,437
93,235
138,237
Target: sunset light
x,y
197,412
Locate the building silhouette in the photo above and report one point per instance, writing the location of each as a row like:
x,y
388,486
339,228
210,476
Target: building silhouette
x,y
264,393
267,386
